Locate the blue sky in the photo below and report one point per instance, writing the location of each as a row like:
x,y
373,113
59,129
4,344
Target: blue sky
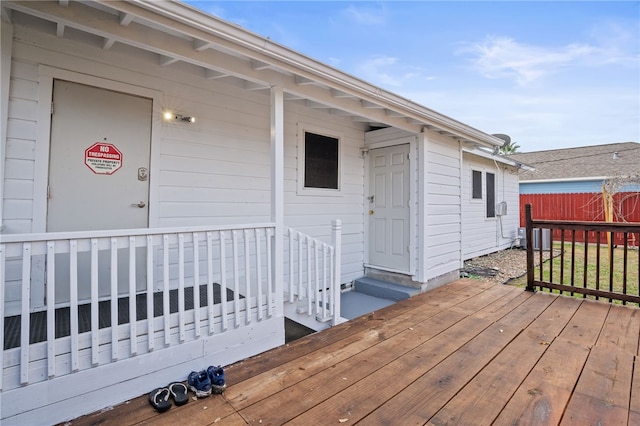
x,y
550,74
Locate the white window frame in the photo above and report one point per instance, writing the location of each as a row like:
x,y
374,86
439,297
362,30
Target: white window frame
x,y
495,195
482,184
301,189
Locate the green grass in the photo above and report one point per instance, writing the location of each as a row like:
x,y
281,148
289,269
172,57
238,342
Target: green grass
x,y
633,278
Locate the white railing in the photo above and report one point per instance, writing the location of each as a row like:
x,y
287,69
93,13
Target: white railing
x,y
313,274
98,273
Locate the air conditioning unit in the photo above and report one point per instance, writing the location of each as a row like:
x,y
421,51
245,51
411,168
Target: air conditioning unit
x,y
545,239
522,237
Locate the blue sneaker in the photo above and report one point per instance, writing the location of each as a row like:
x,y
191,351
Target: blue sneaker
x,y
216,376
199,383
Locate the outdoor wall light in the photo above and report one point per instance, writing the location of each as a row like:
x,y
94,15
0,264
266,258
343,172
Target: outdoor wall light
x,y
170,116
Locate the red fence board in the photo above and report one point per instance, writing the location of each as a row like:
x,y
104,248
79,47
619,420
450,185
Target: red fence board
x,y
582,207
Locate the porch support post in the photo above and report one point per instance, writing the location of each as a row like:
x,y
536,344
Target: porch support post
x,y
529,234
422,267
5,76
336,240
277,193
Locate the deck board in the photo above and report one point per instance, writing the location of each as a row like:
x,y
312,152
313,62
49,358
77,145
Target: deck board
x,y
469,352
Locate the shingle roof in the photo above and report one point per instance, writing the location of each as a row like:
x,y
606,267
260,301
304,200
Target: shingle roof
x,y
582,162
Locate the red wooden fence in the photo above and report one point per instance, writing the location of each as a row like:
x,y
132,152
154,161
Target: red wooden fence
x,y
586,207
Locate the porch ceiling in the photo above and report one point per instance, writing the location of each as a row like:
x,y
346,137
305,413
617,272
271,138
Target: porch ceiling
x,y
178,33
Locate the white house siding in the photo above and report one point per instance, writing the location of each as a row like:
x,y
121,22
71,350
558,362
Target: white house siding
x,y
482,235
442,257
312,214
215,171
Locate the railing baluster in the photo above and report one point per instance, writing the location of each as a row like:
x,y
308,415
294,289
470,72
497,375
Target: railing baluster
x,y
299,282
550,255
598,236
2,311
624,267
309,281
291,277
95,332
73,308
573,257
210,299
247,277
257,234
562,260
51,309
270,306
133,318
236,279
181,325
150,304
25,313
586,263
611,264
324,281
316,281
223,280
114,300
166,306
196,284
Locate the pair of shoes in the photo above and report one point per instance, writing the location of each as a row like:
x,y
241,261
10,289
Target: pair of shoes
x,y
216,375
159,398
199,383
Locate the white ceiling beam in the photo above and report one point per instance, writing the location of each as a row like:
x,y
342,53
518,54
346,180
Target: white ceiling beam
x,y
60,30
108,43
259,65
64,3
316,105
340,112
303,81
371,105
391,113
126,18
210,74
292,97
200,45
250,85
167,60
340,94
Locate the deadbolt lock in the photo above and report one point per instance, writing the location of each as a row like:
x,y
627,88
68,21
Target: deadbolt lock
x,y
143,174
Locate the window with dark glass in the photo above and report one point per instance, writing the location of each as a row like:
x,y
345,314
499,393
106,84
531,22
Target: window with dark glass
x,y
320,161
491,194
476,185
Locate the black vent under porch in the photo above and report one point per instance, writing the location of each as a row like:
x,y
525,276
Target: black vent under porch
x,y
38,320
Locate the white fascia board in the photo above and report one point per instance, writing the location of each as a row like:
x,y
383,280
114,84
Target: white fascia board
x,y
499,159
578,179
305,66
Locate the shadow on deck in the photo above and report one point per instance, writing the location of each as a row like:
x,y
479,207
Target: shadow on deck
x,y
469,352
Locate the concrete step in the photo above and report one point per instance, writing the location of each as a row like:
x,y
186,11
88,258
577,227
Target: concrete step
x,y
354,304
383,289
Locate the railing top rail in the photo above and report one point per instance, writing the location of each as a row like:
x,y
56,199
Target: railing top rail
x,y
76,235
596,226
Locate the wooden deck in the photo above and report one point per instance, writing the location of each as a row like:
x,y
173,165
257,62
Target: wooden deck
x,y
468,353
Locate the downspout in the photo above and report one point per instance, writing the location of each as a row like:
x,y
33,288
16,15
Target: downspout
x,y
277,194
5,81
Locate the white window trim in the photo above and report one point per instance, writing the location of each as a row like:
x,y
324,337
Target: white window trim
x,y
486,196
322,192
482,186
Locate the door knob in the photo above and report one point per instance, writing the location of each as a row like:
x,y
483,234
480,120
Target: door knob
x,y
141,204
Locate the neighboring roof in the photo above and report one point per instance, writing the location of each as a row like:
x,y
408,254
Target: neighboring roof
x,y
597,161
179,33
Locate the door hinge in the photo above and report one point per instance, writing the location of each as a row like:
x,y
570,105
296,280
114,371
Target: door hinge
x,y
48,192
51,108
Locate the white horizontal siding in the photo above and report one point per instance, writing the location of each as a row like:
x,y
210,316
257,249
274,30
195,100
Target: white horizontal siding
x,y
442,192
482,235
216,171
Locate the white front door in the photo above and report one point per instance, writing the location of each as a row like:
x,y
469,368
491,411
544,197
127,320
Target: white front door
x,y
389,208
99,159
98,175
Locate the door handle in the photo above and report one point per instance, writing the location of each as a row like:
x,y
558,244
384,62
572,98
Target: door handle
x,y
140,205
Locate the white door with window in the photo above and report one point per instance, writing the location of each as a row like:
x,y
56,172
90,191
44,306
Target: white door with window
x,y
389,208
98,169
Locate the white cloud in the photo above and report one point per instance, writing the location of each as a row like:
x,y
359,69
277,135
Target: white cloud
x,y
388,71
503,57
365,15
500,57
